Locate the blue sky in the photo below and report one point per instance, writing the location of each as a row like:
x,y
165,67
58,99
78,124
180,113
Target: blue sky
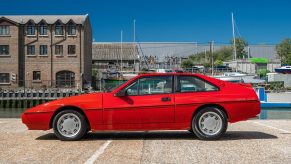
x,y
170,20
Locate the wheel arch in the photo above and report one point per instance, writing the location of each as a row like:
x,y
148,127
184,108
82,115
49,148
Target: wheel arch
x,y
71,108
210,105
198,131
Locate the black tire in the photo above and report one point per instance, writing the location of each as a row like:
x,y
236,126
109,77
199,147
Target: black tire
x,y
200,133
82,130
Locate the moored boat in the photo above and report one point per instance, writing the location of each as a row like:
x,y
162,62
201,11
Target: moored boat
x,y
284,70
237,77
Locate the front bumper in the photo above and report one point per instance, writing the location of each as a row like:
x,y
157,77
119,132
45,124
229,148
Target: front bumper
x,y
37,121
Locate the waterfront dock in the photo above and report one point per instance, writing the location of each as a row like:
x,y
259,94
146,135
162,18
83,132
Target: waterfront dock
x,y
12,104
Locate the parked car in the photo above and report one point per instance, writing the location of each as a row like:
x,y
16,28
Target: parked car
x,y
157,101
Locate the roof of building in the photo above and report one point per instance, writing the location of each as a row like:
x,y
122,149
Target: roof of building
x,y
50,19
113,51
163,50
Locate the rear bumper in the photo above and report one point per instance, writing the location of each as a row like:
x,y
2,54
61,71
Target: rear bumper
x,y
244,110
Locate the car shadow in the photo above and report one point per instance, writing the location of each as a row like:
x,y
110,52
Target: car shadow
x,y
247,135
164,135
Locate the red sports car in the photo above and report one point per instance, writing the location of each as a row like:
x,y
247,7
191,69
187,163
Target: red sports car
x,y
168,101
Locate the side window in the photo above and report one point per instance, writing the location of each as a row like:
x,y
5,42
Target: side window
x,y
155,85
194,84
150,85
132,89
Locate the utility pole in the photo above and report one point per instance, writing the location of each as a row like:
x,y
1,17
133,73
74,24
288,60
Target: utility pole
x,y
205,55
233,38
196,48
249,52
211,52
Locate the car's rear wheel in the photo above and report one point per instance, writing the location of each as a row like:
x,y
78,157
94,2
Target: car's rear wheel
x,y
209,123
70,125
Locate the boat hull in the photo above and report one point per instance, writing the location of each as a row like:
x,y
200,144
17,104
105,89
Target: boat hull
x,y
284,71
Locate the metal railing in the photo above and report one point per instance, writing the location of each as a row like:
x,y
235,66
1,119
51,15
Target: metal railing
x,y
36,85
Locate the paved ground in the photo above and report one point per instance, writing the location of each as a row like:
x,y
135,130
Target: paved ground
x,y
253,141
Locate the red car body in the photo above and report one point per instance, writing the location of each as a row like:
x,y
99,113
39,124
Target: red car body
x,y
106,111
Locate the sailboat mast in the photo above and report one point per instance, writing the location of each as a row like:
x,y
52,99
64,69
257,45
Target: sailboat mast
x,y
134,30
233,38
134,43
121,49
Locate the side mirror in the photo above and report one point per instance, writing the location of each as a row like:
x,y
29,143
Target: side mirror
x,y
120,93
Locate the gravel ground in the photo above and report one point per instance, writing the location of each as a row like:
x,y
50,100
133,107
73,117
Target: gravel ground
x,y
253,141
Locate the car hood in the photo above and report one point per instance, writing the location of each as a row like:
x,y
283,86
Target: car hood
x,y
84,102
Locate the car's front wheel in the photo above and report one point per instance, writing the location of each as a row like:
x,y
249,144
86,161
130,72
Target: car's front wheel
x,y
209,123
69,125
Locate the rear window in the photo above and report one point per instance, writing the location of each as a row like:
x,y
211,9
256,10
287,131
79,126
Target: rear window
x,y
193,84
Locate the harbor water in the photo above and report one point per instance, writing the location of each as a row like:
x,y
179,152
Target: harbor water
x,y
14,108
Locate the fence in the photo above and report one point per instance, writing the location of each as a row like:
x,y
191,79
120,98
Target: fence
x,y
36,95
31,85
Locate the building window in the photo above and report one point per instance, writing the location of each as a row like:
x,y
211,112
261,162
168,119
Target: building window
x,y
30,29
59,29
43,49
4,30
71,49
36,76
59,49
71,29
43,29
4,78
65,79
4,49
31,50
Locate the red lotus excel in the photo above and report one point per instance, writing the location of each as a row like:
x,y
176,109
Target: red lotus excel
x,y
168,101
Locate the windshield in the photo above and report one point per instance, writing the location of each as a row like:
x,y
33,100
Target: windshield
x,y
111,85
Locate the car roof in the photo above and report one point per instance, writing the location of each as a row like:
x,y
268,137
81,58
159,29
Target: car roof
x,y
209,79
165,74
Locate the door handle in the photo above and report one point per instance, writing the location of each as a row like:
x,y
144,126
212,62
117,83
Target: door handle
x,y
166,99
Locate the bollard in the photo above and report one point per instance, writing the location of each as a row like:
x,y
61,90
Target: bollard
x,y
262,97
261,94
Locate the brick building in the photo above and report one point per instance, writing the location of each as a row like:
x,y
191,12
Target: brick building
x,y
45,51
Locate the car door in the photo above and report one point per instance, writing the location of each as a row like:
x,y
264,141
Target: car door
x,y
148,99
190,93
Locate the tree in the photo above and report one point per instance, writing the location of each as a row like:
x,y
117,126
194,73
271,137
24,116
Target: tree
x,y
187,64
284,51
262,72
223,54
204,58
240,44
218,62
